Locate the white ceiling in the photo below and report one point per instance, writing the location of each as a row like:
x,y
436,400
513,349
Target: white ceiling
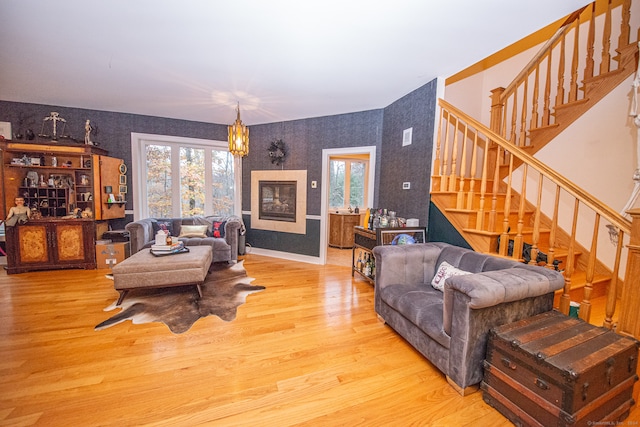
x,y
281,59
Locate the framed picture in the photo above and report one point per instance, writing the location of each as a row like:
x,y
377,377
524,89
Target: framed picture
x,y
5,130
122,189
401,236
123,179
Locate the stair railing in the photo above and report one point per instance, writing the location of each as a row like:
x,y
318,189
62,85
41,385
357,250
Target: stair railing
x,y
550,81
461,136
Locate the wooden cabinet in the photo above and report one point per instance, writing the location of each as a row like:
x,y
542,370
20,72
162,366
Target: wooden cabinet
x,y
50,244
341,229
67,186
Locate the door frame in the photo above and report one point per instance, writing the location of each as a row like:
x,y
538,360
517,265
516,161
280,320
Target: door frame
x,y
324,200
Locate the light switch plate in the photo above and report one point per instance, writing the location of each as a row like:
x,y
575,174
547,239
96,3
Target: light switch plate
x,y
406,185
314,184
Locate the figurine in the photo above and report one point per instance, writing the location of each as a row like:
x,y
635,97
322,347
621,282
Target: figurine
x,y
87,133
18,214
54,118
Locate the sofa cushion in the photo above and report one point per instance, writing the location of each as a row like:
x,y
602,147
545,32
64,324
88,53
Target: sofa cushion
x,y
420,304
193,231
162,224
444,271
218,229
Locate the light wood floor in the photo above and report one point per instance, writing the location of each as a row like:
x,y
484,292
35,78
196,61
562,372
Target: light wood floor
x,y
306,351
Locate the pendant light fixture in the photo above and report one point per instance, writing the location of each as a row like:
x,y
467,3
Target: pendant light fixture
x,y
238,137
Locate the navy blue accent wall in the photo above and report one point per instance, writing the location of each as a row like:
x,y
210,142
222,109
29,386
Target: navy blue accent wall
x,y
411,163
112,130
441,230
305,139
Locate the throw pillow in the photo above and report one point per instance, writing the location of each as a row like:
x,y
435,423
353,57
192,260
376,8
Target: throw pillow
x,y
193,231
162,224
218,228
445,270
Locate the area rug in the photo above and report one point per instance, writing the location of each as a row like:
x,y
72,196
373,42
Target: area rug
x,y
224,290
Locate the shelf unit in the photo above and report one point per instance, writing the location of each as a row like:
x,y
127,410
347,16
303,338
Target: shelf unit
x,y
364,240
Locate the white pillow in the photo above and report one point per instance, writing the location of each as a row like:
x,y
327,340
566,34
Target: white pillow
x,y
445,270
193,231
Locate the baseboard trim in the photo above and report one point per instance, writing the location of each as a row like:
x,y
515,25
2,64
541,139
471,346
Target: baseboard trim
x,y
284,255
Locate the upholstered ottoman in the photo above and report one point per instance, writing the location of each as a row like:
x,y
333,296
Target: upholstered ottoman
x,y
144,270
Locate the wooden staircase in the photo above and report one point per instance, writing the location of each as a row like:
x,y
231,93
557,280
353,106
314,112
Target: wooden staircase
x,y
489,186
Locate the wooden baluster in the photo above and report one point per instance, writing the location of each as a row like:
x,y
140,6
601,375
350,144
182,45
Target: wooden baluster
x,y
565,299
503,126
546,109
625,29
504,240
454,158
522,140
551,254
474,170
437,163
573,85
589,64
585,305
514,118
518,240
612,292
560,93
463,170
536,224
605,65
536,88
483,185
445,157
493,214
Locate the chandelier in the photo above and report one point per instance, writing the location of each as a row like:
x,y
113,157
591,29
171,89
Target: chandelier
x,y
238,137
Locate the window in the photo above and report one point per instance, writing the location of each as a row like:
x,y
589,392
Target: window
x,y
178,177
347,182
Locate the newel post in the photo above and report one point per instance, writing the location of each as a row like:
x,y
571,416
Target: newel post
x,y
629,320
497,108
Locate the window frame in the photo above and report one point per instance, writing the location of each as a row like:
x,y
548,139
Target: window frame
x,y
140,141
347,184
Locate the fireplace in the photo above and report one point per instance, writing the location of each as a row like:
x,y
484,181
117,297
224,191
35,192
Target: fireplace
x,y
277,200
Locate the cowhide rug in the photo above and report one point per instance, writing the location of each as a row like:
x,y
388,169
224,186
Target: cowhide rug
x,y
224,290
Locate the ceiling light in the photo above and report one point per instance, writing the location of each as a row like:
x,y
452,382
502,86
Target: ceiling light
x,y
238,137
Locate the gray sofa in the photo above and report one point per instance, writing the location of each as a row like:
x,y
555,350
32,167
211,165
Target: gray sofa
x,y
450,327
225,248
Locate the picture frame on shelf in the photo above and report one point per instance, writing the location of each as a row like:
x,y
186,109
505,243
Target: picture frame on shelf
x,y
5,130
123,180
122,189
401,235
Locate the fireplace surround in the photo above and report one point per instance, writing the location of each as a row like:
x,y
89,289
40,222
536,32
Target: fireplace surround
x,y
279,200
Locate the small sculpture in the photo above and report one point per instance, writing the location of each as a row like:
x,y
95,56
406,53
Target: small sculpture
x,y
87,133
18,214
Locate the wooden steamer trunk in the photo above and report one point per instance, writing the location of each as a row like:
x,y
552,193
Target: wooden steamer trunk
x,y
554,370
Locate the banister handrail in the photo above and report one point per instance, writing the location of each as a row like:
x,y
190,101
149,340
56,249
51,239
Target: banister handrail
x,y
615,218
542,52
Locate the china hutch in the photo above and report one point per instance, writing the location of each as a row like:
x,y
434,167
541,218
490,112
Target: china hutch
x,y
71,189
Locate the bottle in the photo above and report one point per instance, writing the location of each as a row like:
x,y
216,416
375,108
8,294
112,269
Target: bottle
x,y
366,271
384,219
359,262
169,241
